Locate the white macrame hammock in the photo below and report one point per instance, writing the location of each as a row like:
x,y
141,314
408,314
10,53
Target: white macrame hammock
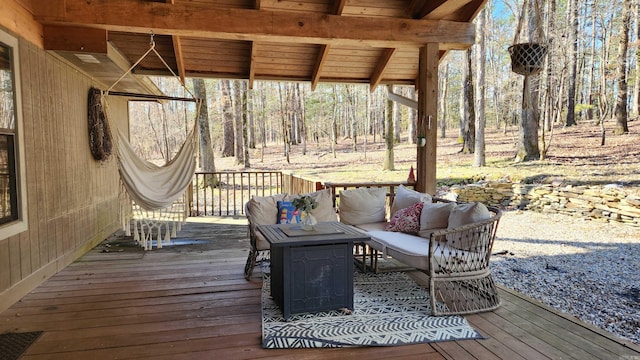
x,y
153,198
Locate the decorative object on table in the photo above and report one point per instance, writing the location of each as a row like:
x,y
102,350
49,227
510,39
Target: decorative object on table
x,y
389,309
305,204
288,213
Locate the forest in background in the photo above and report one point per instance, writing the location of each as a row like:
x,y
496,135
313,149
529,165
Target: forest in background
x,y
590,77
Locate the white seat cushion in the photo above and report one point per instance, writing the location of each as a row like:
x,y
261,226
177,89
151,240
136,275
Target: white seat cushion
x,y
414,251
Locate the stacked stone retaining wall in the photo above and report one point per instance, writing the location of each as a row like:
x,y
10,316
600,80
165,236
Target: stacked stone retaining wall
x,y
607,203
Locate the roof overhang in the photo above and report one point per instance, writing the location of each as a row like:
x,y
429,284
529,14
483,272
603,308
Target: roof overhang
x,y
373,41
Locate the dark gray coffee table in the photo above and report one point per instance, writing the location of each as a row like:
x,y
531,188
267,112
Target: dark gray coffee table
x,y
312,270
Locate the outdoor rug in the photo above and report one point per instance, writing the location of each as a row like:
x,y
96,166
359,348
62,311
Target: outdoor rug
x,y
389,309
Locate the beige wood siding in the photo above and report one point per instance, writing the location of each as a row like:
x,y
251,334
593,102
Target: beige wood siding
x,y
72,199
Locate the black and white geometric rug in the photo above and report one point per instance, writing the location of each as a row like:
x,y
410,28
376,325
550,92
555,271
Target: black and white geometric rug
x,y
389,309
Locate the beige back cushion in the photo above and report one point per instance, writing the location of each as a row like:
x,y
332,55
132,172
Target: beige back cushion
x,y
406,197
435,215
363,205
464,214
467,213
264,209
325,210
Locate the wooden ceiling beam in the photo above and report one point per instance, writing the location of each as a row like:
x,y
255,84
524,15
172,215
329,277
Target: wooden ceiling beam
x,y
260,25
322,56
177,51
418,9
436,9
338,8
444,8
252,65
76,39
381,66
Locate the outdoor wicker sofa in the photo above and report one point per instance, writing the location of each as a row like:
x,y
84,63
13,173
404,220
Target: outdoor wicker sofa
x,y
453,246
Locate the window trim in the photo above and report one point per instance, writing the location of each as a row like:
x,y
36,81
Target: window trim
x,y
21,224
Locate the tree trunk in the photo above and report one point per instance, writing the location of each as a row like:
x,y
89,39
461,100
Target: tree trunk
x,y
251,131
469,132
636,97
413,116
621,71
227,124
592,68
388,153
334,123
284,122
351,114
207,163
240,112
396,122
528,135
573,63
444,91
302,121
245,124
481,54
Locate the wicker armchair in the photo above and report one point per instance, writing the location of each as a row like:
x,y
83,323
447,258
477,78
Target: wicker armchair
x,y
459,274
259,245
455,260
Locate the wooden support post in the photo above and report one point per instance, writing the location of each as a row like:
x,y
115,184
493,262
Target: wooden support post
x,y
427,118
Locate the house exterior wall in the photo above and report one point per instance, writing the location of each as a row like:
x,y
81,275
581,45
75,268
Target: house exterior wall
x,y
72,200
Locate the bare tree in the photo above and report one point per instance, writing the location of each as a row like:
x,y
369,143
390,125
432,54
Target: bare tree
x,y
573,62
481,54
245,125
228,134
444,92
636,97
621,71
207,163
240,111
469,122
388,154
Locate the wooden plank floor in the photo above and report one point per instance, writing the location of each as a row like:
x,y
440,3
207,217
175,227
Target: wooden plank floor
x,y
191,301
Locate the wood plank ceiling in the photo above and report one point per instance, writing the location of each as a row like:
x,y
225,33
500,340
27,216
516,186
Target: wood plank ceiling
x,y
353,41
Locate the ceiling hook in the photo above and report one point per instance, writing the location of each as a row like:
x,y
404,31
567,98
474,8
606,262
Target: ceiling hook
x,y
152,42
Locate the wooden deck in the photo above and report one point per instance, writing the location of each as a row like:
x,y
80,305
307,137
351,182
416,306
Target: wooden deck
x,y
191,301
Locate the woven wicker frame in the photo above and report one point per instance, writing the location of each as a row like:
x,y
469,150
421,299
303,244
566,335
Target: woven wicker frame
x,y
459,274
461,279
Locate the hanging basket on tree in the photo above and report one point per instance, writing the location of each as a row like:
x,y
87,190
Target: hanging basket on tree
x,y
527,58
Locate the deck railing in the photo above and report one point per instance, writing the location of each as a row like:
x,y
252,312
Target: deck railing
x,y
224,193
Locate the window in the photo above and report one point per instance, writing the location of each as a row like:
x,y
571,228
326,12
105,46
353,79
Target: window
x,y
12,194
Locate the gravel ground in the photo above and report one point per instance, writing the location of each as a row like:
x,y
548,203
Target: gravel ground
x,y
589,269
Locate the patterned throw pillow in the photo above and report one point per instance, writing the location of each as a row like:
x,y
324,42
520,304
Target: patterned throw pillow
x,y
287,213
406,220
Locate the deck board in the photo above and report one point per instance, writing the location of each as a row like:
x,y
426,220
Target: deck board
x,y
191,303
